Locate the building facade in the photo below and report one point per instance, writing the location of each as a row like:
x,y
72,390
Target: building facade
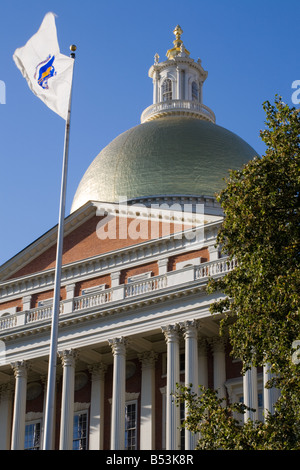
x,y
139,248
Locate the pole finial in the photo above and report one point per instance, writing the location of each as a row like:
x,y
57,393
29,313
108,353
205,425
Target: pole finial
x,y
73,49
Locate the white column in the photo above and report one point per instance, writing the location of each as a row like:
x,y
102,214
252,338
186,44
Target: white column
x,y
250,394
155,87
201,92
171,333
147,426
202,363
219,366
68,358
18,431
178,90
187,94
118,346
97,406
191,370
271,395
5,415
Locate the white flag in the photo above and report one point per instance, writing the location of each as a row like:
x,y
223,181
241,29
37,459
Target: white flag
x,y
48,72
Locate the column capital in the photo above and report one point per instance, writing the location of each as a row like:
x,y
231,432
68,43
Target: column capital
x,y
97,370
118,345
148,358
20,369
189,328
218,344
6,389
171,332
202,345
68,357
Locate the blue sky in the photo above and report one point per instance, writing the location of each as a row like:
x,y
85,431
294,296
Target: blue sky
x,y
249,47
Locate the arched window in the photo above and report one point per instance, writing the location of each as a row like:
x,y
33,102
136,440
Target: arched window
x,y
167,90
195,91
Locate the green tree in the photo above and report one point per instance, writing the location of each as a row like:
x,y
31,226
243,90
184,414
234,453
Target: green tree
x,y
261,231
260,307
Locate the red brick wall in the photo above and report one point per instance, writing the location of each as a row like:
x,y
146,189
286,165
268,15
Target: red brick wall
x,y
144,268
83,243
203,253
12,303
36,298
80,286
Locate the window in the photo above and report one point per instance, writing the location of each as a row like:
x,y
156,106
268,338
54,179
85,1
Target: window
x,y
195,92
167,90
92,290
46,303
80,429
235,392
139,277
32,436
131,425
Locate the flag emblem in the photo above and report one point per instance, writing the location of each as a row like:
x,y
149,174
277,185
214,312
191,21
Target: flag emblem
x,y
44,71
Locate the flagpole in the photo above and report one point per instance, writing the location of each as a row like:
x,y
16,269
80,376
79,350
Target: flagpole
x,y
51,383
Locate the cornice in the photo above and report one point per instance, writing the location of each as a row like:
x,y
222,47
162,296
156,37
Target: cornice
x,y
174,63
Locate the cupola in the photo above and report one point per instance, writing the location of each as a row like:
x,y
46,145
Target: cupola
x,y
177,85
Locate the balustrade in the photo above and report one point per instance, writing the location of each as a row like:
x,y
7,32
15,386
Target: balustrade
x,y
221,266
180,105
146,285
142,287
8,321
92,300
41,313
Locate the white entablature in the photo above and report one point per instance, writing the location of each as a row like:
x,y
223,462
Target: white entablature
x,y
177,85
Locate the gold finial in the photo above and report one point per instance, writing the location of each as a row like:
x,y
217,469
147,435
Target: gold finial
x,y
178,44
178,32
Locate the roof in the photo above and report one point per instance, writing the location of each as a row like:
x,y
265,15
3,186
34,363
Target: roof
x,y
167,156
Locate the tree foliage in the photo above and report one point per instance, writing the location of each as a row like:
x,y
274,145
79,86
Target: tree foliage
x,y
219,427
261,231
260,307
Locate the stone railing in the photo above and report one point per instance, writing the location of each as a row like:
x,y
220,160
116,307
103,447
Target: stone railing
x,y
178,107
187,275
41,313
221,266
92,300
8,321
146,285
